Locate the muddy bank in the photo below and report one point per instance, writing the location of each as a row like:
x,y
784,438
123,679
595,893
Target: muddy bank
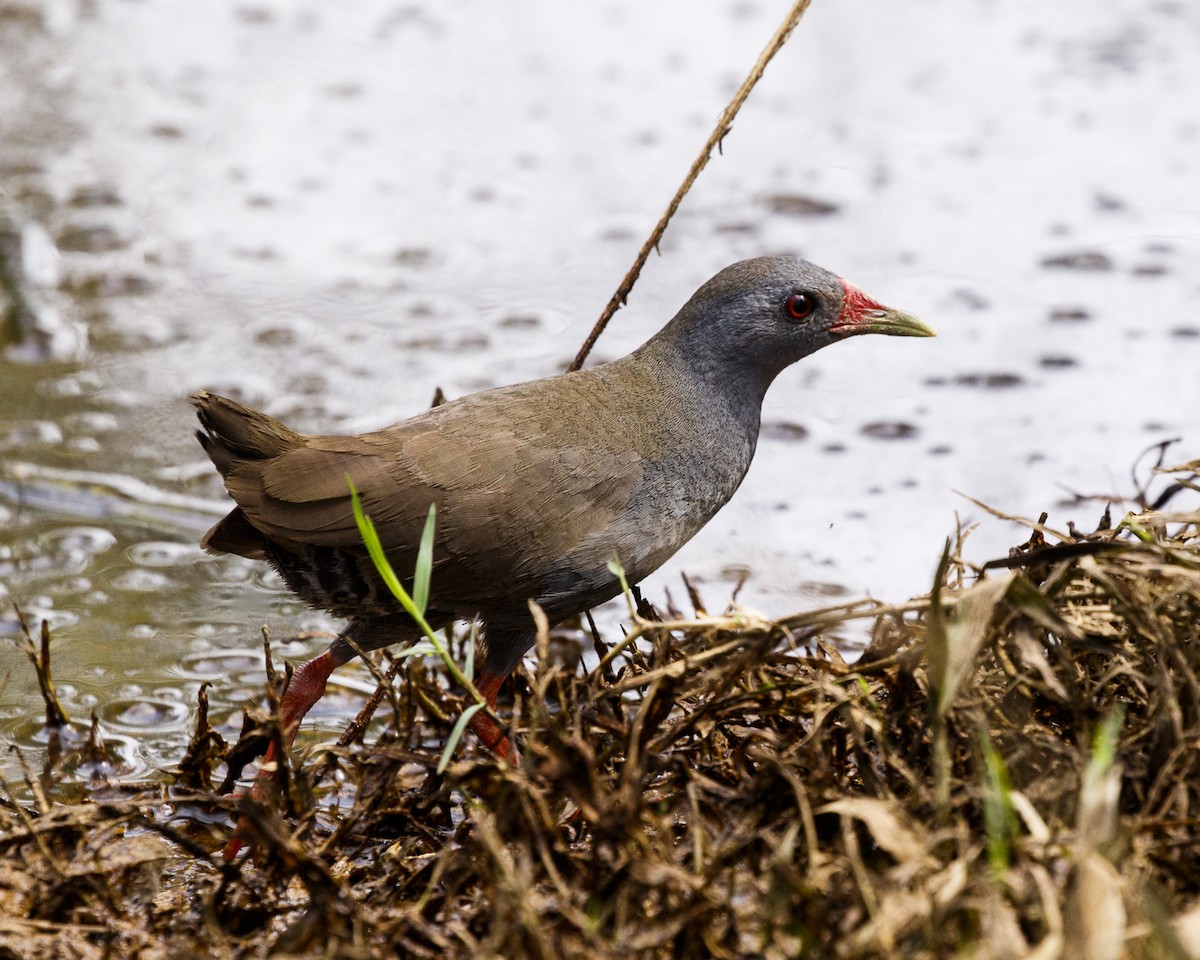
x,y
1008,768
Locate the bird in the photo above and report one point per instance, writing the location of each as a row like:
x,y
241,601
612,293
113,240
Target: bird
x,y
536,485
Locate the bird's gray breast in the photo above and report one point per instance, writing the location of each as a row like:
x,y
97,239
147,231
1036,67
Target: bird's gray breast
x,y
683,485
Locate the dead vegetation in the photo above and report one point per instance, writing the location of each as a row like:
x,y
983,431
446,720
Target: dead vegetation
x,y
1010,770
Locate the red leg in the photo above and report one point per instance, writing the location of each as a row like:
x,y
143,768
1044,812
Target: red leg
x,y
305,689
488,730
308,686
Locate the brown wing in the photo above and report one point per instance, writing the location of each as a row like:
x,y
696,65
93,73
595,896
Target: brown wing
x,y
517,512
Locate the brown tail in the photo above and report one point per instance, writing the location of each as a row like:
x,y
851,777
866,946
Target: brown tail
x,y
233,432
236,434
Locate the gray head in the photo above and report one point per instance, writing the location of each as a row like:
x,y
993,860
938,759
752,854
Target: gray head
x,y
757,317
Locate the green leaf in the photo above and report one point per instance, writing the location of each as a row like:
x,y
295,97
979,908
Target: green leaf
x,y
999,815
424,569
366,530
618,571
421,580
469,663
456,734
422,649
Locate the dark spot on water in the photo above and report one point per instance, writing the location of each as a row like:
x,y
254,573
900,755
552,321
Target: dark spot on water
x,y
166,131
344,90
1159,246
1108,203
1186,333
784,430
276,337
102,285
415,257
798,205
969,299
934,381
745,228
818,588
94,196
1089,260
254,15
90,239
1149,270
889,430
520,321
1057,361
940,450
990,381
834,448
260,201
20,168
126,285
252,253
426,342
617,234
907,484
1069,315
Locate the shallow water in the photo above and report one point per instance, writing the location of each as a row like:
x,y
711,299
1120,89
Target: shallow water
x,y
327,213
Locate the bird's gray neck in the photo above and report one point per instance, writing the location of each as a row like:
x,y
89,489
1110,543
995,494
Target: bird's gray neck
x,y
722,382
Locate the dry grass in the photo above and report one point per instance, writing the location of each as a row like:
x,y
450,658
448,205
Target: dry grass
x,y
1009,771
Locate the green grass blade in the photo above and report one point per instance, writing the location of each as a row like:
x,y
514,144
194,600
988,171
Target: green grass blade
x,y
618,571
366,530
422,649
456,734
999,815
420,591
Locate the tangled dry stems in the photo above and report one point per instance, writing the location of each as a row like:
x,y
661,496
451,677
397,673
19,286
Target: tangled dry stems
x,y
725,787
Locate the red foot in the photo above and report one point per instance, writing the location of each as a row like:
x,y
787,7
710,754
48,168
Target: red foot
x,y
486,729
306,688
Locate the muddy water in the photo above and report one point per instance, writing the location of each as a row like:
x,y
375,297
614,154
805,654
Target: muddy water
x,y
329,212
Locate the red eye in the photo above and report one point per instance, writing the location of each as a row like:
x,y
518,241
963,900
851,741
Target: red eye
x,y
800,305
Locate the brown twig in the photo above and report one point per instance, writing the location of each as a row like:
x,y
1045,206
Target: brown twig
x,y
724,125
56,716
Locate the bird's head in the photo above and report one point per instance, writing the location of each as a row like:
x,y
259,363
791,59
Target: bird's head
x,y
757,317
